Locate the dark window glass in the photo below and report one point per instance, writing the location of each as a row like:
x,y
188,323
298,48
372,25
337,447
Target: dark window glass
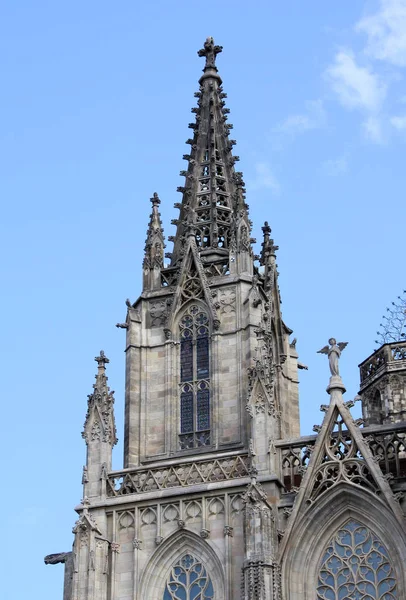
x,y
186,410
202,355
194,379
186,360
203,410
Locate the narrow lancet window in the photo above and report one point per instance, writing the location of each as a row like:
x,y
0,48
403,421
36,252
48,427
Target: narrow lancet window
x,y
194,379
356,564
189,580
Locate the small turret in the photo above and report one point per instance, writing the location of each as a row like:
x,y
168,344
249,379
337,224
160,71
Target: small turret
x,y
99,432
383,385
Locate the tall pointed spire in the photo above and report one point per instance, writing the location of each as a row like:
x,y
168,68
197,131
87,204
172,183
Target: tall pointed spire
x,y
213,208
154,248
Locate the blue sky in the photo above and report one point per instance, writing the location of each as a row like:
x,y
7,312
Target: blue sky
x,y
95,102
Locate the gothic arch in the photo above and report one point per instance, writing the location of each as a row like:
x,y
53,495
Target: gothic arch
x,y
154,578
317,525
182,310
193,360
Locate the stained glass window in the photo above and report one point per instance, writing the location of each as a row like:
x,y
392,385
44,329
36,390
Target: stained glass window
x,y
194,379
188,580
356,565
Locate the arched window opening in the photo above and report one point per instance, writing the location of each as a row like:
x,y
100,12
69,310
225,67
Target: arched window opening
x,y
375,408
188,580
356,564
194,379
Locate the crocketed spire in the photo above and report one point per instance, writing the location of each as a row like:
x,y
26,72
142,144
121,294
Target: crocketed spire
x,y
213,208
154,248
100,424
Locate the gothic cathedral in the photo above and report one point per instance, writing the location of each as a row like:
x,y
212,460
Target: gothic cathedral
x,y
219,497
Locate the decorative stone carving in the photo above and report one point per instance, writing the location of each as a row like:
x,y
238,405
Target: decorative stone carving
x,y
54,559
193,473
158,311
227,300
100,423
334,352
137,544
228,531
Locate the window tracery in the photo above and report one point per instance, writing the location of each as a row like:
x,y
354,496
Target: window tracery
x,y
194,379
189,580
356,565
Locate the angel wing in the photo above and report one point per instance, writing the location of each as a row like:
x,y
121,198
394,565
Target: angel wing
x,y
342,345
323,350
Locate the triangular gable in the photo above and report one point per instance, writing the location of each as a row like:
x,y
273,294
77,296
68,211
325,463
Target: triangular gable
x,y
86,522
192,285
340,455
259,400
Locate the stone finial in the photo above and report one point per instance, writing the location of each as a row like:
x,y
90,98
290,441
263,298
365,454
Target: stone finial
x,y
268,246
101,360
210,51
155,199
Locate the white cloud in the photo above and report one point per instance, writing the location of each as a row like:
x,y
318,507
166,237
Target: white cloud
x,y
265,179
355,86
373,129
399,122
386,32
336,166
313,118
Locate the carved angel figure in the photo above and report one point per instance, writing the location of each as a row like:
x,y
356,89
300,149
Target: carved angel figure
x,y
334,352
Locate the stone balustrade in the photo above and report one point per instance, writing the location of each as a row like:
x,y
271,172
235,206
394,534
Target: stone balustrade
x,y
138,480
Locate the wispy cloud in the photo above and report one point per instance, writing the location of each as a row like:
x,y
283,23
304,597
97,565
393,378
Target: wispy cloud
x,y
335,166
386,32
360,82
399,122
264,178
314,117
373,129
356,86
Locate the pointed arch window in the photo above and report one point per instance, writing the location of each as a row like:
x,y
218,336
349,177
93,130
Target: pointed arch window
x,y
189,580
356,564
194,379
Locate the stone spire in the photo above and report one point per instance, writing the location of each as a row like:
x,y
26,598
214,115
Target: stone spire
x,y
213,208
154,248
99,431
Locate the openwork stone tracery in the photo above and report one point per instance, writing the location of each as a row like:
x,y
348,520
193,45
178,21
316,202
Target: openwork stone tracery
x,y
356,565
189,580
341,462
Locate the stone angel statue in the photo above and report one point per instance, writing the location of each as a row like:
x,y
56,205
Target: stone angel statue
x,y
334,352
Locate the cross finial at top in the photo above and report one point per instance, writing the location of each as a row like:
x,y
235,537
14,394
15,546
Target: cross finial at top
x,y
155,200
101,360
210,51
